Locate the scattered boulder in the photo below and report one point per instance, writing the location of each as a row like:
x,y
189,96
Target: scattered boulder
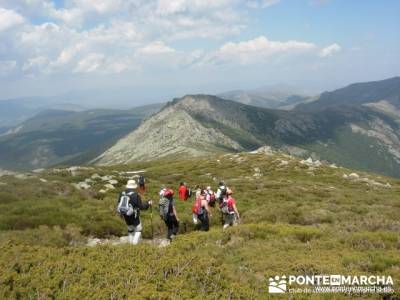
x,y
102,191
92,242
267,150
113,181
109,186
95,176
376,183
107,177
82,185
257,173
353,176
42,180
309,162
73,170
370,182
283,163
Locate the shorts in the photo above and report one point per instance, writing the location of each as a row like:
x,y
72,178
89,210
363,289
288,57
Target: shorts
x,y
229,219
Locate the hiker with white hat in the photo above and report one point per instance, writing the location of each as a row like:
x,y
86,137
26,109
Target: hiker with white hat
x,y
129,206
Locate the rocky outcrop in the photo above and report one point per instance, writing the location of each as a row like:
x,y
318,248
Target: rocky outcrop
x,y
173,131
384,134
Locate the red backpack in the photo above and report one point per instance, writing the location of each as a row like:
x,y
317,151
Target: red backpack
x,y
196,208
212,197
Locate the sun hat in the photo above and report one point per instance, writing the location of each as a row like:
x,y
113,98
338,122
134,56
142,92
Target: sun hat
x,y
131,184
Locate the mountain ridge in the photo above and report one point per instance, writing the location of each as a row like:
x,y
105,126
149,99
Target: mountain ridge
x,y
327,134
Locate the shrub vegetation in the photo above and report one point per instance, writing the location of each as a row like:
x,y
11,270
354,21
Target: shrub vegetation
x,y
295,220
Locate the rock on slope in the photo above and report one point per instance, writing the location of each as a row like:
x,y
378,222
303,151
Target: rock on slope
x,y
173,131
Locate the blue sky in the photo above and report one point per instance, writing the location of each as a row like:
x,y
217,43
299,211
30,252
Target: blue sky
x,y
158,49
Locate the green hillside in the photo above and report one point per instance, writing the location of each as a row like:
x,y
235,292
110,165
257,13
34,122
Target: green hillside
x,y
65,137
296,219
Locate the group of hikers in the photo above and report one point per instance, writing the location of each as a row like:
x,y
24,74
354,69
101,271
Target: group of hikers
x,y
130,204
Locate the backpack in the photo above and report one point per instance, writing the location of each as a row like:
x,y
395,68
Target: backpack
x,y
223,190
197,209
212,199
212,196
124,207
141,180
224,206
165,207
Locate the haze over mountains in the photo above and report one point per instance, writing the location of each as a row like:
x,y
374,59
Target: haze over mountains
x,y
356,126
279,96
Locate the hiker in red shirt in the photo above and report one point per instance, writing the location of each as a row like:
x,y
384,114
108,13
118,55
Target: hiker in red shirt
x,y
229,210
183,192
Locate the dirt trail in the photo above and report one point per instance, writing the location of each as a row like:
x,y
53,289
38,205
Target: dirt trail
x,y
159,242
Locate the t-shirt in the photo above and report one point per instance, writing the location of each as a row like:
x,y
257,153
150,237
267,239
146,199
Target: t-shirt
x,y
183,195
171,205
231,203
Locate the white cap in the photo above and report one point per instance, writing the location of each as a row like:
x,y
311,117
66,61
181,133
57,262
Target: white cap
x,y
131,184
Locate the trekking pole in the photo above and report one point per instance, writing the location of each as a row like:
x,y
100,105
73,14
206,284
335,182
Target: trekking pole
x,y
151,221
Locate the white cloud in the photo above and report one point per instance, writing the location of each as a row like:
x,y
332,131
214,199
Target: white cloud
x,y
329,50
9,19
165,7
91,63
99,6
258,49
67,55
114,36
156,48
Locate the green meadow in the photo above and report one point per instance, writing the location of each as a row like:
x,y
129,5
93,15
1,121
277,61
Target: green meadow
x,y
296,220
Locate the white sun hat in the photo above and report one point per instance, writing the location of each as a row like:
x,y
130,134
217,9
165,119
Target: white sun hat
x,y
131,184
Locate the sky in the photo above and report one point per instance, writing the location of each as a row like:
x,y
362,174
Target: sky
x,y
158,49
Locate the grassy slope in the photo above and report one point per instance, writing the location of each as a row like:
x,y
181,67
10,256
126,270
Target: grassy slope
x,y
295,221
357,151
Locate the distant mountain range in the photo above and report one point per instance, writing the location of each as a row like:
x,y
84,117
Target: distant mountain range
x,y
363,133
356,126
278,96
62,137
357,94
17,110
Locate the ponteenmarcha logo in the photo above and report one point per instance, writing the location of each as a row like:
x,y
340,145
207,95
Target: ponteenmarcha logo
x,y
277,285
347,284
